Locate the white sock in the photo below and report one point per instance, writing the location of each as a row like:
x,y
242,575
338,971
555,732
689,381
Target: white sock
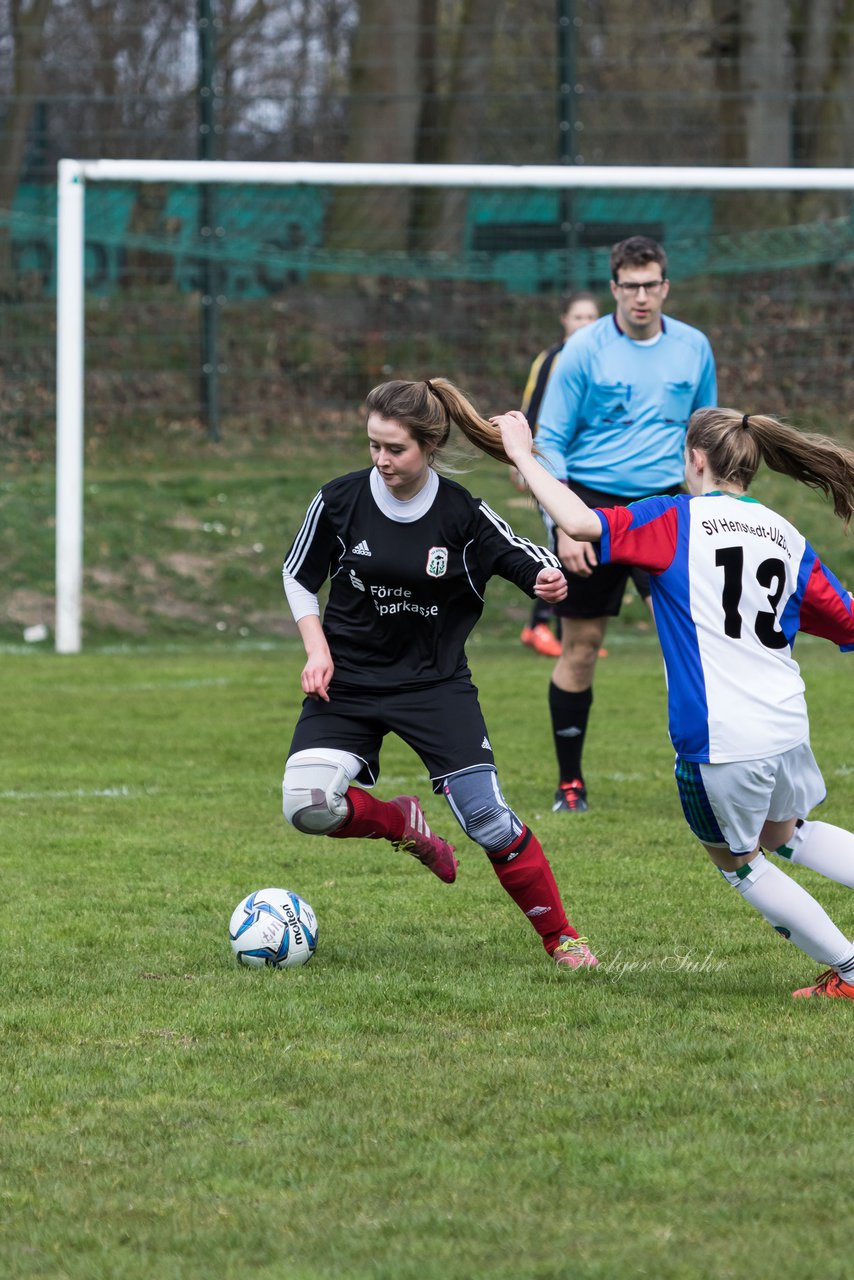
x,y
793,912
823,848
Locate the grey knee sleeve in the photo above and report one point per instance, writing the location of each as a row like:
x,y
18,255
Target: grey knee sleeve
x,y
481,810
314,789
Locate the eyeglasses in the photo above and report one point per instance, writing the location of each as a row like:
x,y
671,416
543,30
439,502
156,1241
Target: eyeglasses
x,y
634,286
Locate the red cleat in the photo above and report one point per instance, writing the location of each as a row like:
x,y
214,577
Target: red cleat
x,y
541,639
434,852
830,983
571,797
574,953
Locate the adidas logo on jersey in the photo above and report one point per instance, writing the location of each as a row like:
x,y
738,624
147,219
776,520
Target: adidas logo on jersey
x,y
361,549
486,744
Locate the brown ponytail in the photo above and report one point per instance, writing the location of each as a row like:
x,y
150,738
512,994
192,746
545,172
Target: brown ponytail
x,y
736,443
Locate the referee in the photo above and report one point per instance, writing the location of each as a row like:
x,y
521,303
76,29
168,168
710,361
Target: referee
x,y
612,427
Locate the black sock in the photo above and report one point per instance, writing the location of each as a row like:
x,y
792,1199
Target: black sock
x,y
570,712
541,613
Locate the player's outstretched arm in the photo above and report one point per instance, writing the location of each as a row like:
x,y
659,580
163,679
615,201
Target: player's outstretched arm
x,y
567,510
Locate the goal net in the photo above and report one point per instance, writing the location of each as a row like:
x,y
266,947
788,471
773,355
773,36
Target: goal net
x,y
226,297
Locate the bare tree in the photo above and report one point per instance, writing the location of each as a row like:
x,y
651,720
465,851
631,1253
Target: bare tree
x,y
124,74
283,74
417,92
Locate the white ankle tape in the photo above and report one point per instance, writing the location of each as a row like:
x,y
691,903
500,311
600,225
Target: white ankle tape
x,y
798,838
747,874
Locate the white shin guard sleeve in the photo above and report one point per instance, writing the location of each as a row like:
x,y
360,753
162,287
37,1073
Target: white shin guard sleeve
x,y
790,910
823,848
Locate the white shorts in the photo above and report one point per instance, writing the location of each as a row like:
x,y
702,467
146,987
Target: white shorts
x,y
726,805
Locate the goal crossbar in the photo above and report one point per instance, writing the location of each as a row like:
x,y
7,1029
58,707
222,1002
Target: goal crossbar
x,y
697,177
73,176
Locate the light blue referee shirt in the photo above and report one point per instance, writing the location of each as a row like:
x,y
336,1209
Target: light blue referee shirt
x,y
615,411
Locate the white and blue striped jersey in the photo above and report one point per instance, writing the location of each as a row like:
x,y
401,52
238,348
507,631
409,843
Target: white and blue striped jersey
x,y
732,583
615,411
404,593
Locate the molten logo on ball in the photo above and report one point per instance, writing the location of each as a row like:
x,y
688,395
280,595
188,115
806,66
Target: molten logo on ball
x,y
274,927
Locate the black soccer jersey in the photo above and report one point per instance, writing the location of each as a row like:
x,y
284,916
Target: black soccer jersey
x,y
404,594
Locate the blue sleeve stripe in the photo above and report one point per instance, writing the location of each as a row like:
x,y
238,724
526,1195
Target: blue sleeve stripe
x,y
790,618
687,701
645,510
605,541
844,596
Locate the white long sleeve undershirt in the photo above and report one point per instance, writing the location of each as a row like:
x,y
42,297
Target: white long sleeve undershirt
x,y
302,603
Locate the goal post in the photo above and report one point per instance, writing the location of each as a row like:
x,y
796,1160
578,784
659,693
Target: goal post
x,y
75,175
69,407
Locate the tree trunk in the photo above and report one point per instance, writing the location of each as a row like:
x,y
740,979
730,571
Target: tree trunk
x,y
428,141
843,84
825,82
460,119
384,110
726,53
27,40
765,82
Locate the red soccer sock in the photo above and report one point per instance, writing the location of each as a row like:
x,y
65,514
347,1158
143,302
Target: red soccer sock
x,y
369,818
524,872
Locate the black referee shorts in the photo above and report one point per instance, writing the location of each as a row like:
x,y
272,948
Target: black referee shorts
x,y
443,724
601,594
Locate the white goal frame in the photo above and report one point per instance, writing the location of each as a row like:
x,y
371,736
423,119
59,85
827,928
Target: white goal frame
x,y
73,176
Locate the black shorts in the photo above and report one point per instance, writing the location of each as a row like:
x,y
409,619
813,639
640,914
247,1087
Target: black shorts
x,y
443,724
601,594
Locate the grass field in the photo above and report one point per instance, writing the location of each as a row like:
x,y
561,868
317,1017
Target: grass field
x,y
429,1098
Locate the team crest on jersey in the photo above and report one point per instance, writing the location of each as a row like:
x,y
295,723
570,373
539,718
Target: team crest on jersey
x,y
437,562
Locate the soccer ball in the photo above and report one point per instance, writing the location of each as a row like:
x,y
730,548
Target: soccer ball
x,y
275,927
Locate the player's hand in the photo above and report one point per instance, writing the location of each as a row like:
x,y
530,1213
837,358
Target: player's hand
x,y
515,433
579,557
316,675
550,586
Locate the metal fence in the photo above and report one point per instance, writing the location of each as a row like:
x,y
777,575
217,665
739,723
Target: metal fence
x,y
315,298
